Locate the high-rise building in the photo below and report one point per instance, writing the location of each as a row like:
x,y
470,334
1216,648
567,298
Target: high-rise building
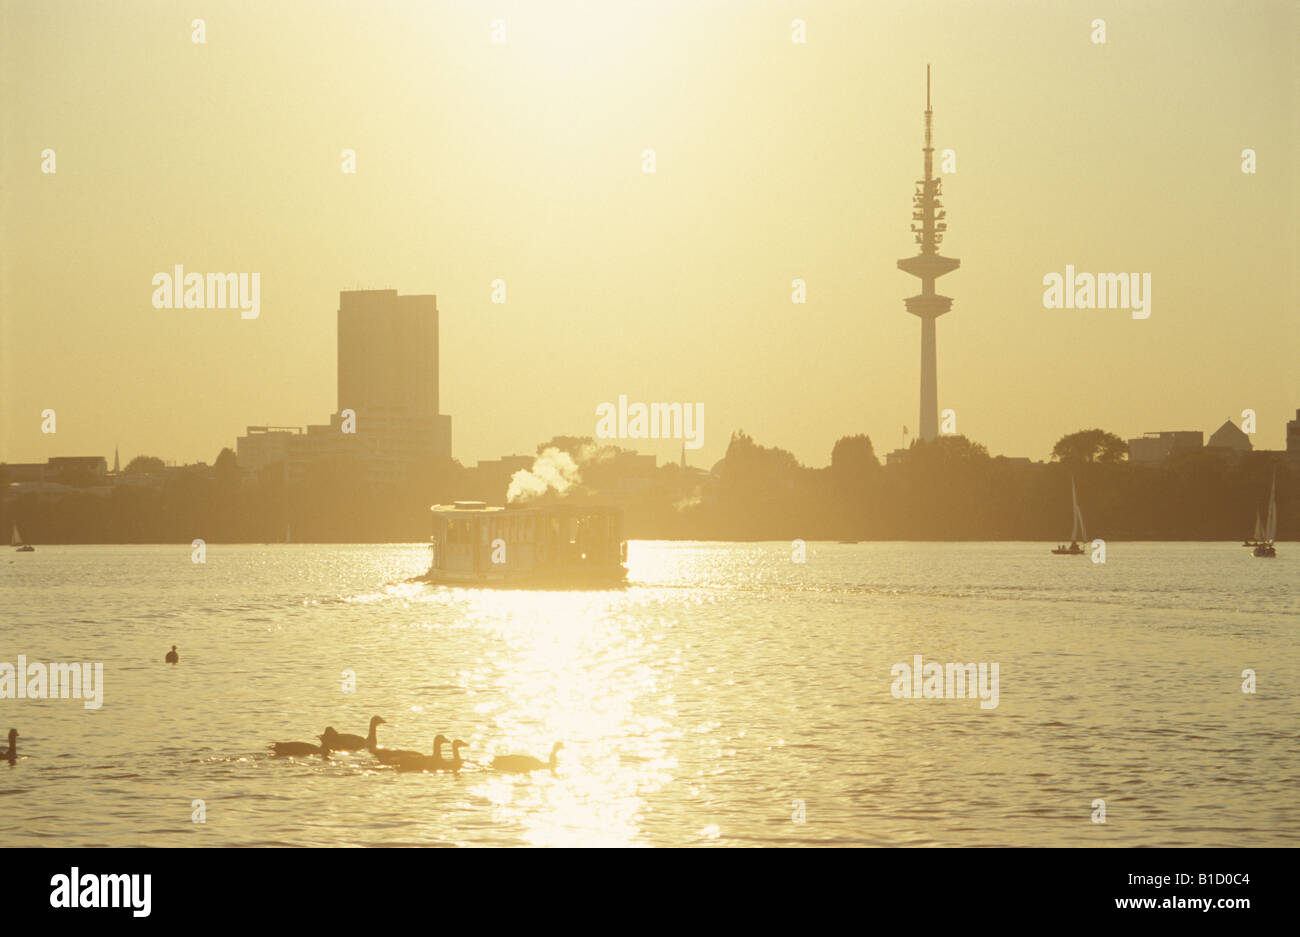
x,y
928,226
387,413
388,353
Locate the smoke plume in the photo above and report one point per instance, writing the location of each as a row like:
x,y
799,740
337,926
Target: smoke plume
x,y
553,470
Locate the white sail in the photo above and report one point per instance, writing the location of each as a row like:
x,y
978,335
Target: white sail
x,y
1270,525
1259,529
16,540
1078,531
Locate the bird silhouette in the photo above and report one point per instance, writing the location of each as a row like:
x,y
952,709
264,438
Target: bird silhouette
x,y
522,764
346,742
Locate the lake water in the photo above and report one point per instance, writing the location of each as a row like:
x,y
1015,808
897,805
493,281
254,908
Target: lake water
x,y
726,694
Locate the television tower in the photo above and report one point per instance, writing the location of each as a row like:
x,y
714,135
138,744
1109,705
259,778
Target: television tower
x,y
929,266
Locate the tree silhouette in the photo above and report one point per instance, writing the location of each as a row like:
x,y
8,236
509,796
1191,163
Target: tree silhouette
x,y
853,456
1090,445
144,465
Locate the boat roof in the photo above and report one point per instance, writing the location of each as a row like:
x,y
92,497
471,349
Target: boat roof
x,y
476,506
482,507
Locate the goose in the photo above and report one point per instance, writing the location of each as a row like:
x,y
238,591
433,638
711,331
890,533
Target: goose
x,y
343,742
10,753
441,764
172,657
522,764
301,748
414,761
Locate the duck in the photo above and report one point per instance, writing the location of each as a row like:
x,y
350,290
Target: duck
x,y
11,752
302,748
341,742
172,657
522,764
413,761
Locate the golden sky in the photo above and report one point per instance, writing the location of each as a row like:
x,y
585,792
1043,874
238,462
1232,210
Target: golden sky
x,y
522,161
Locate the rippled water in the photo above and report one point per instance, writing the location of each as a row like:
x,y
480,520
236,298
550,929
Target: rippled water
x,y
697,706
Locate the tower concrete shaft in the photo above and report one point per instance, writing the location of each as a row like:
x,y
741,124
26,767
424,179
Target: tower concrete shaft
x,y
928,226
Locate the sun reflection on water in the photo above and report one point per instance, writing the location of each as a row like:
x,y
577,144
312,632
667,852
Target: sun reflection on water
x,y
570,667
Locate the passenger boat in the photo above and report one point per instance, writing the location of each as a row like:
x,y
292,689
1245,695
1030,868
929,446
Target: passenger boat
x,y
550,546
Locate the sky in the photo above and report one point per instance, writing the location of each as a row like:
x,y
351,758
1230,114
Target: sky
x,y
523,161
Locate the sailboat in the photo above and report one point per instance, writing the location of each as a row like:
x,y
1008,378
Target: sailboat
x,y
1265,547
1259,534
16,540
287,538
1077,532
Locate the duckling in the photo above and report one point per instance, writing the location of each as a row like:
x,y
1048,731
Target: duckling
x,y
172,657
302,748
522,764
413,761
345,742
11,753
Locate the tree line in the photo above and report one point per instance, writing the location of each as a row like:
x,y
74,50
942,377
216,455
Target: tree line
x,y
946,489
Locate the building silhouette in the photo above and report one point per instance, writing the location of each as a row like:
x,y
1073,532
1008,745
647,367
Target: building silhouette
x,y
928,226
1230,436
1151,448
387,416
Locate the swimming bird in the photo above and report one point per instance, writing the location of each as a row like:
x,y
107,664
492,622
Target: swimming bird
x,y
521,764
346,742
172,657
10,753
456,761
302,748
413,761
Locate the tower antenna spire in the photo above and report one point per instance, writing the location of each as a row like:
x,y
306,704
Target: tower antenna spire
x,y
927,87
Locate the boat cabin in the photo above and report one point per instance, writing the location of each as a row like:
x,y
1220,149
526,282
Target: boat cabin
x,y
554,544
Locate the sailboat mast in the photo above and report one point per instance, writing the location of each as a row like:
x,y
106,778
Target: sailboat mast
x,y
1270,529
1074,500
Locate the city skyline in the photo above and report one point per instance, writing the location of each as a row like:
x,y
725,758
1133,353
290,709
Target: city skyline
x,y
667,286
